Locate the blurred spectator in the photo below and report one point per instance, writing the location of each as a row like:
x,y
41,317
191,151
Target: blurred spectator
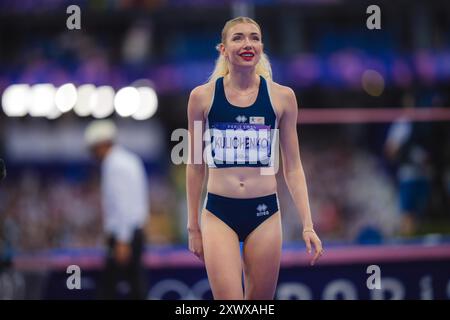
x,y
2,170
125,205
404,147
349,197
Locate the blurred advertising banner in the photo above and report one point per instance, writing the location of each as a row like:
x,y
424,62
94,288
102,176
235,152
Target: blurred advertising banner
x,y
41,142
405,272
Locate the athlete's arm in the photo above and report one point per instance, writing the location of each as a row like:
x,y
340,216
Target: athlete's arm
x,y
293,169
195,173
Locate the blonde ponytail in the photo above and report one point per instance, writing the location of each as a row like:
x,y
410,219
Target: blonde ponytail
x,y
221,69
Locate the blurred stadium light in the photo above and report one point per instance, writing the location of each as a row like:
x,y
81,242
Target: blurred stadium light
x,y
43,100
66,97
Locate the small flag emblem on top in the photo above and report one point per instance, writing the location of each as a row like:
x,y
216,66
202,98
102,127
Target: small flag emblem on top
x,y
256,120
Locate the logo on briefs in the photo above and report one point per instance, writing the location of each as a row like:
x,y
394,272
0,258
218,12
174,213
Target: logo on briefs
x,y
241,118
261,210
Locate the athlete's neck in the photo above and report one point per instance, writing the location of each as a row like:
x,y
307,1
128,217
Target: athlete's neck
x,y
242,80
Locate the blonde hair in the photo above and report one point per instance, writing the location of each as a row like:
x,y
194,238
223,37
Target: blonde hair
x,y
221,69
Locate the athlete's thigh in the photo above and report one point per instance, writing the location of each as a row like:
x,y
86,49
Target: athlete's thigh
x,y
262,254
222,257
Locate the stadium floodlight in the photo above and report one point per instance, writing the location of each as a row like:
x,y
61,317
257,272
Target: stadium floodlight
x,y
83,107
103,102
45,100
66,97
126,101
15,100
148,104
54,113
42,99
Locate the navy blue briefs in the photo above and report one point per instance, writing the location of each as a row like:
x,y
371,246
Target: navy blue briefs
x,y
242,215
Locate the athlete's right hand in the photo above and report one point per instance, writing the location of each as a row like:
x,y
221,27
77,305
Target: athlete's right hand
x,y
195,243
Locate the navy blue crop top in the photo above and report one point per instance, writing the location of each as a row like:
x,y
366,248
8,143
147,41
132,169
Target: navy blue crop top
x,y
240,136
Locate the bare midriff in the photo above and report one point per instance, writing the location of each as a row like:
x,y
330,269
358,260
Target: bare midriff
x,y
241,182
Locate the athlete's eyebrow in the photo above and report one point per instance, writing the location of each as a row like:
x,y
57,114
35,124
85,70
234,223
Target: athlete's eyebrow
x,y
241,34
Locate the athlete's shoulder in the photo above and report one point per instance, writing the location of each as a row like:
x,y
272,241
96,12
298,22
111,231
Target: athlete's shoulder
x,y
283,97
202,94
280,90
200,100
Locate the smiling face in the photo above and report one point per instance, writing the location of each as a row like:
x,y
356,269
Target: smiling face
x,y
242,45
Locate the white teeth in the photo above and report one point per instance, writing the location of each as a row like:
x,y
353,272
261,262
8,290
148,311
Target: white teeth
x,y
247,54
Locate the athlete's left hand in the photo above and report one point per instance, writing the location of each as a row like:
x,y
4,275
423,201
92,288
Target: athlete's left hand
x,y
310,236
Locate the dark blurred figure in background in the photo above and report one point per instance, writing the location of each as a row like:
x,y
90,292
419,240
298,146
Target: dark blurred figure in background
x,y
12,285
126,206
2,170
5,259
406,149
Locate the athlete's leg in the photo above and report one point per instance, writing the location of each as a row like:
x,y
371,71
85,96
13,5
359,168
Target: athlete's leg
x,y
222,258
262,254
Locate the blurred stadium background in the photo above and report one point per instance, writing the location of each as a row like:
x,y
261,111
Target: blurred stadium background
x,y
363,94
